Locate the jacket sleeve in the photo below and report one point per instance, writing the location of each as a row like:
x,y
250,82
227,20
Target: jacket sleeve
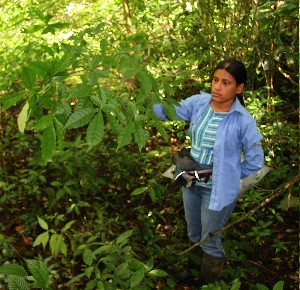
x,y
253,152
184,111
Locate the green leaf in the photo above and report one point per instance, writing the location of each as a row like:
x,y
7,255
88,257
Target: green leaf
x,y
67,226
28,77
39,272
41,68
43,224
141,136
80,91
57,245
44,122
23,117
13,269
158,273
123,236
10,100
124,137
145,80
73,281
261,286
17,283
170,111
42,238
279,285
139,191
80,118
88,256
48,143
137,278
113,123
103,45
150,264
95,130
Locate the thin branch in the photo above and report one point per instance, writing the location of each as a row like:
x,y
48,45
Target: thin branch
x,y
277,193
288,76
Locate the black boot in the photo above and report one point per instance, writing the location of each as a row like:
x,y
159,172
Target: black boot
x,y
193,262
211,269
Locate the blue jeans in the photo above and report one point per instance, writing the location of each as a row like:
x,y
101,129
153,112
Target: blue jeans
x,y
201,221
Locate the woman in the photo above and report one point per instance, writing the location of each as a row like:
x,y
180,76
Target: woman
x,y
221,130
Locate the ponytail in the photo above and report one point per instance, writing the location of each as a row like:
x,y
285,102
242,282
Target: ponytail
x,y
241,99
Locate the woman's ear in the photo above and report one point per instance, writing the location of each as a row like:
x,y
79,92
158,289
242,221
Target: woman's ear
x,y
240,88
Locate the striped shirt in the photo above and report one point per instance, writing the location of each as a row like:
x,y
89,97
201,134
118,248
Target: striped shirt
x,y
204,136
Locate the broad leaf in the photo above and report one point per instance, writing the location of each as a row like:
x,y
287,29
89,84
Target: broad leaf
x,y
10,100
139,190
80,91
13,269
44,122
39,272
95,130
279,285
57,245
17,283
112,122
28,77
141,136
137,278
67,226
48,143
124,236
42,238
158,273
23,117
124,137
80,118
43,224
145,80
88,256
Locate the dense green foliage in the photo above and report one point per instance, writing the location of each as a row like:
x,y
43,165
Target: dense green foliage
x,y
82,198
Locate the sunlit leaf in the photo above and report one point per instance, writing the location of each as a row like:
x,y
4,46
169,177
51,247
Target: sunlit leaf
x,y
42,238
139,190
57,245
23,117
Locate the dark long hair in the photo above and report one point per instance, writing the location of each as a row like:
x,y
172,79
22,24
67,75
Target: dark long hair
x,y
237,70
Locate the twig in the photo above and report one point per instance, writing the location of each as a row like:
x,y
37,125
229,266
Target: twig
x,y
252,211
288,76
263,267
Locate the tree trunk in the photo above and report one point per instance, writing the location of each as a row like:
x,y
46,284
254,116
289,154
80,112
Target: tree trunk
x,y
127,16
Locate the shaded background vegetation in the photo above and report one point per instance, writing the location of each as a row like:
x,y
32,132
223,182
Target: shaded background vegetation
x,y
82,155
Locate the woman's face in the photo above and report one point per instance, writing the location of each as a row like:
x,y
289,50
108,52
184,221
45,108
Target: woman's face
x,y
224,88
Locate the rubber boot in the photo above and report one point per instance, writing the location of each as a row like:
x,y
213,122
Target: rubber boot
x,y
211,269
185,275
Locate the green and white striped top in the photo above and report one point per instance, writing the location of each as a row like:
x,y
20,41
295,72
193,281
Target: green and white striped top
x,y
204,136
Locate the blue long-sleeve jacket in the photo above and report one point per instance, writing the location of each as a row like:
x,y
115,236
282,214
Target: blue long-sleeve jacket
x,y
236,133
